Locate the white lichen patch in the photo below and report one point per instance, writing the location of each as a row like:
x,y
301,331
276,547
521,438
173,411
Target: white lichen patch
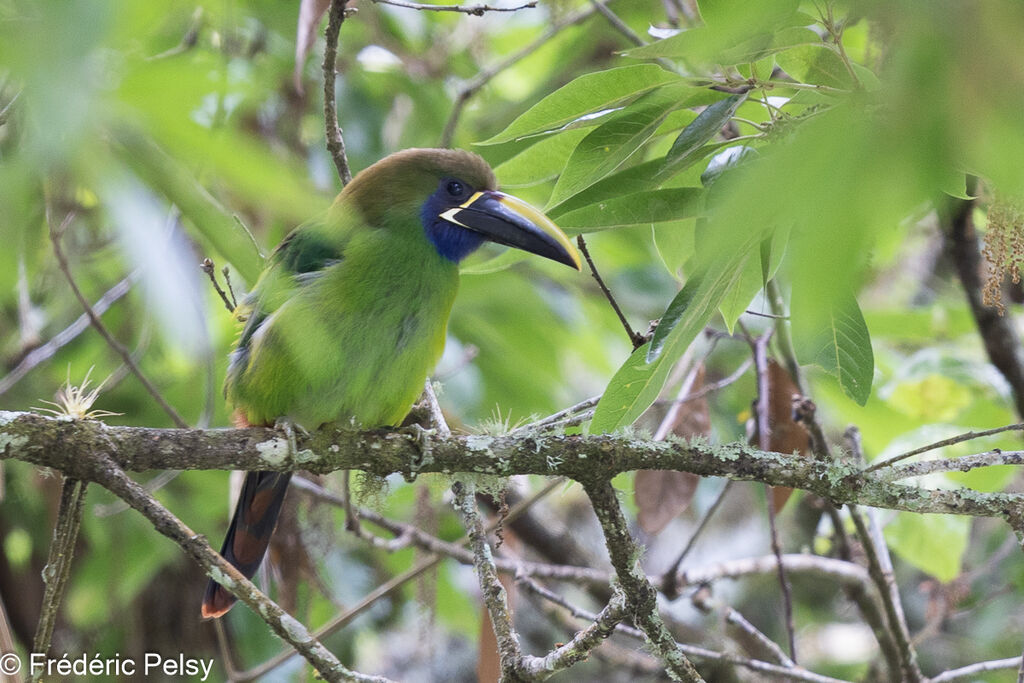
x,y
221,578
305,455
295,630
274,451
478,443
7,417
335,448
15,442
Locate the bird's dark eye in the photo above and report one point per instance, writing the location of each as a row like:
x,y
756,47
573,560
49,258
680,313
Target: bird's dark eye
x,y
455,188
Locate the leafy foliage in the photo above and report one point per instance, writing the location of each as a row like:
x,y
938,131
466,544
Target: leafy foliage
x,y
807,144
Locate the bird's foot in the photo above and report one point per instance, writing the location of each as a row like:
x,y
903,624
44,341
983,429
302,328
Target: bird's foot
x,y
422,437
289,428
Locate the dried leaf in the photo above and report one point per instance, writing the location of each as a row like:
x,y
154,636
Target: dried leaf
x,y
786,435
661,495
310,14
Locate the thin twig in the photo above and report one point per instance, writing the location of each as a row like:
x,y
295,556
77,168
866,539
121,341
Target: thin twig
x,y
335,141
760,348
703,601
494,594
639,592
973,670
68,334
959,438
712,387
385,589
669,583
486,75
107,473
881,572
962,464
559,416
794,674
476,10
94,319
635,338
58,566
207,267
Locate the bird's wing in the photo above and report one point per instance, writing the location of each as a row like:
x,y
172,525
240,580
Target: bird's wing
x,y
300,258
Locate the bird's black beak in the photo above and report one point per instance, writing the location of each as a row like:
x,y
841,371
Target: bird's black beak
x,y
510,221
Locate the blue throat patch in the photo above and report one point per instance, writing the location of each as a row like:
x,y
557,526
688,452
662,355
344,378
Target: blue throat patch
x,y
451,241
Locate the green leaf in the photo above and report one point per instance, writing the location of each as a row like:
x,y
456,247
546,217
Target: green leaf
x,y
816,64
626,181
539,162
606,147
634,387
738,298
832,334
586,94
706,126
935,544
653,206
641,378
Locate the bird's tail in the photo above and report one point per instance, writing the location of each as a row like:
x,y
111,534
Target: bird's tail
x,y
249,534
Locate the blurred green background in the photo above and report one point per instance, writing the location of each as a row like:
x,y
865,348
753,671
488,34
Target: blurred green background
x,y
158,130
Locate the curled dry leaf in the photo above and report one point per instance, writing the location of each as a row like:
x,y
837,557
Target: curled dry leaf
x,y
661,495
786,435
310,14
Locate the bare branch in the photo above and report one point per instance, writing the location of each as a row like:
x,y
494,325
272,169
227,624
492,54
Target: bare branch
x,y
484,77
494,594
477,10
68,334
881,571
974,669
65,446
959,438
964,463
635,338
335,142
640,594
107,473
58,566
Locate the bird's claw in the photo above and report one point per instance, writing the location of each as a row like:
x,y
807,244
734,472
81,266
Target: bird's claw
x,y
289,428
422,437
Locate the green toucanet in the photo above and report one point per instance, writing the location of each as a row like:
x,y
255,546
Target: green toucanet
x,y
350,314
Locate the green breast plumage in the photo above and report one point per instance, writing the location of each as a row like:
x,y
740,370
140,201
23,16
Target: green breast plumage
x,y
344,326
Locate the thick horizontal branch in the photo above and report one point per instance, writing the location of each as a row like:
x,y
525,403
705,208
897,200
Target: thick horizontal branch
x,y
65,445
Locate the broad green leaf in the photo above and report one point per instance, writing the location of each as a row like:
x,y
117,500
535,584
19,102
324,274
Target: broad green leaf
x,y
833,334
816,64
738,298
634,387
641,378
707,124
179,186
606,147
626,181
674,241
539,162
653,206
587,94
733,42
935,544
